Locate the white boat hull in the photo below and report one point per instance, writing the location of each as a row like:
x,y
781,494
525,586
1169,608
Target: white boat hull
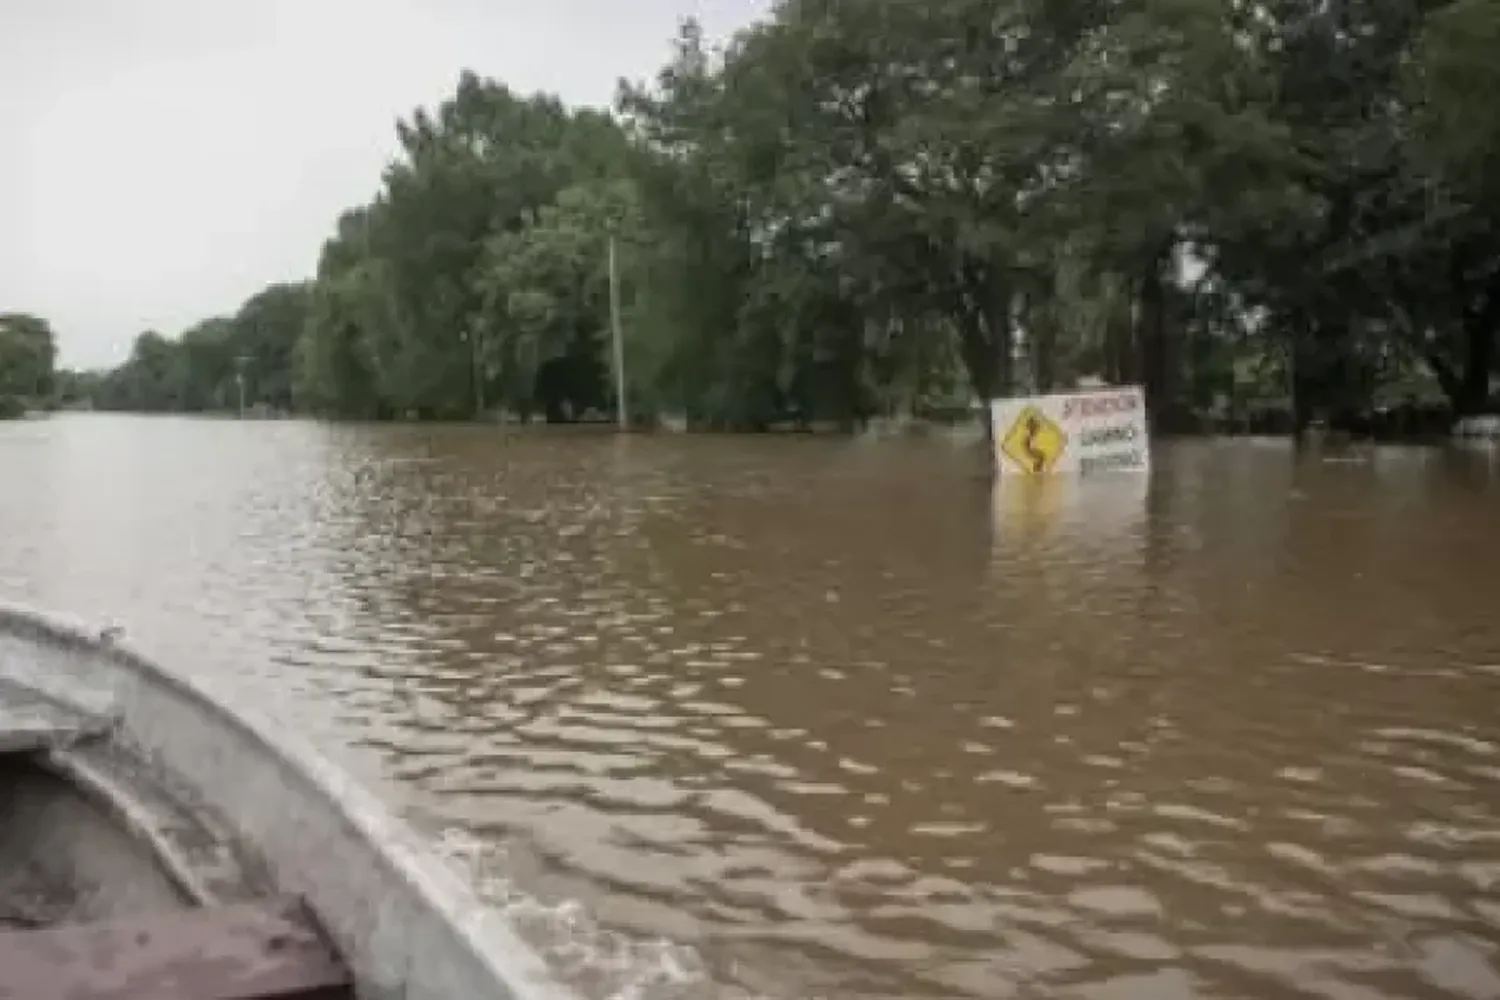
x,y
404,924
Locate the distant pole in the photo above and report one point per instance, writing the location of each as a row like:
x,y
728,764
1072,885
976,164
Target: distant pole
x,y
477,368
621,410
239,377
470,336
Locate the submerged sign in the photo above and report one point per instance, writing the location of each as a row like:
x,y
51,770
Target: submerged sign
x,y
1078,433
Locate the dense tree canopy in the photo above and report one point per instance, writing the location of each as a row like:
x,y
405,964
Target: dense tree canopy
x,y
217,361
861,207
28,361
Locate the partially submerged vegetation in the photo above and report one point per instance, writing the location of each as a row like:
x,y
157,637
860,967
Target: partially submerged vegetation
x,y
28,362
1266,213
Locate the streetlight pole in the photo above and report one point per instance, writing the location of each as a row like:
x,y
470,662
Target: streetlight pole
x,y
622,411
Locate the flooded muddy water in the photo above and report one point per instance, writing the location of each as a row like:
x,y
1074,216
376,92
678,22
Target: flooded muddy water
x,y
795,718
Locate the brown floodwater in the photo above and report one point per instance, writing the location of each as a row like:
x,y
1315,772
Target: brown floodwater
x,y
795,718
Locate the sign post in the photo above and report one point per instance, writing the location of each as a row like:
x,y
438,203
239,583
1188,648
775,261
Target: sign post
x,y
1072,433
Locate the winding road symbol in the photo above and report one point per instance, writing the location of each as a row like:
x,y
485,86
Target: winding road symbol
x,y
1033,430
1034,442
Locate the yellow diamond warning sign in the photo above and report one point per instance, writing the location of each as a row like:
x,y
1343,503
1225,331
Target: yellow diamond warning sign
x,y
1033,443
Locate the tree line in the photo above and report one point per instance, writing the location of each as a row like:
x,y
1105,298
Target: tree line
x,y
28,363
1265,211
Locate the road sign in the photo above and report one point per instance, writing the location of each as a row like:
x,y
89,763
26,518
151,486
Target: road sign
x,y
1078,433
1033,442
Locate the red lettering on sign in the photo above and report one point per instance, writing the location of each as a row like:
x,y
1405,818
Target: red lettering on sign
x,y
1099,406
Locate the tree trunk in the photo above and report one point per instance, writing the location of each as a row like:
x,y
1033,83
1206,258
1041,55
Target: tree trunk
x,y
1151,327
1121,356
1044,358
1474,390
984,330
997,319
1481,328
1304,377
981,363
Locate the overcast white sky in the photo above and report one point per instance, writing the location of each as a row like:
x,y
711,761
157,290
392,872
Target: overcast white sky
x,y
164,159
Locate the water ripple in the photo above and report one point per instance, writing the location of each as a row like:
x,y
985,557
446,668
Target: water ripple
x,y
744,718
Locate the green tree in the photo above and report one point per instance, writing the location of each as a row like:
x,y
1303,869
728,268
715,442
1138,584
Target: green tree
x,y
860,207
28,363
543,325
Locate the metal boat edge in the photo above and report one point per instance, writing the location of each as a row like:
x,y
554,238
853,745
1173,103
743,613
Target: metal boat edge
x,y
404,923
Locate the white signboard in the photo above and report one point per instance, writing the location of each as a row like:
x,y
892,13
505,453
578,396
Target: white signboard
x,y
1072,433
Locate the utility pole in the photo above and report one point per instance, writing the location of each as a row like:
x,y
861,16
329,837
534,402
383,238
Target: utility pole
x,y
469,336
476,369
239,378
622,412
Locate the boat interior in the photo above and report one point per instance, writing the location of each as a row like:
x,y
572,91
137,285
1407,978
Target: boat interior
x,y
114,886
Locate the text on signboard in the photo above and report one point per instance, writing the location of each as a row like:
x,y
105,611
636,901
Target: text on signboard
x,y
1099,406
1116,460
1122,434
